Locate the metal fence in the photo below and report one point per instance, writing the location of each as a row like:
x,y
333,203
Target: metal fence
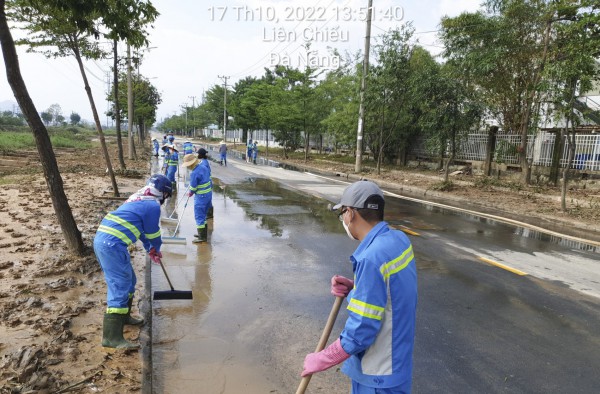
x,y
539,150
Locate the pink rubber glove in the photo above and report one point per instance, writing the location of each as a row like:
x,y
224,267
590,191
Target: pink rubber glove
x,y
332,355
190,194
154,255
340,286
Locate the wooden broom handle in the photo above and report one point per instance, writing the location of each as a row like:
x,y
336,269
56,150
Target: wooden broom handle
x,y
324,338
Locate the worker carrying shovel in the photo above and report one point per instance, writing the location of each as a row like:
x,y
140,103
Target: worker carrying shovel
x,y
137,218
201,189
378,337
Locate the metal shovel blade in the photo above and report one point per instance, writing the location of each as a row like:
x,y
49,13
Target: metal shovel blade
x,y
168,221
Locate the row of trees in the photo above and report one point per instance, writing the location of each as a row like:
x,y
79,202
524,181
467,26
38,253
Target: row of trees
x,y
53,116
60,28
515,62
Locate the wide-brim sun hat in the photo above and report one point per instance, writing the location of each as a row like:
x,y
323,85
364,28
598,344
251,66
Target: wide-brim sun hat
x,y
190,160
171,146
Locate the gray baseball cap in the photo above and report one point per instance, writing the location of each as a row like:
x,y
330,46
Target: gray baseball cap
x,y
362,194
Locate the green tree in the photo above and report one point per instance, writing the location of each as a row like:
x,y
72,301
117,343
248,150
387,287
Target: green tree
x,y
42,139
389,121
572,68
146,100
75,118
503,51
59,29
46,117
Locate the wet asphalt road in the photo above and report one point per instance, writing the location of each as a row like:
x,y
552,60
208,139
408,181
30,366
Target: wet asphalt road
x,y
261,295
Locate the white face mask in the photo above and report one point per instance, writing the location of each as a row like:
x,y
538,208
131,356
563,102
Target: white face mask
x,y
348,230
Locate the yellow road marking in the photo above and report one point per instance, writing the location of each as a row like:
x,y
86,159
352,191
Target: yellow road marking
x,y
405,230
506,267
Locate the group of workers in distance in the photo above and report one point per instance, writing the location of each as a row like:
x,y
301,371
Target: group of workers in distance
x,y
376,343
251,151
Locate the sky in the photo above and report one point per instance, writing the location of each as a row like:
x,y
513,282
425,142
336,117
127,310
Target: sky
x,y
196,45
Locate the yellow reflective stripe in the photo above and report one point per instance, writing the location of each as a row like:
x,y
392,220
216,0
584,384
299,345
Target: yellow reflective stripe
x,y
153,235
204,191
207,184
124,223
116,233
398,264
366,310
193,188
119,311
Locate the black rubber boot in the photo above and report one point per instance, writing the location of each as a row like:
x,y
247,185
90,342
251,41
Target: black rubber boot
x,y
132,321
112,332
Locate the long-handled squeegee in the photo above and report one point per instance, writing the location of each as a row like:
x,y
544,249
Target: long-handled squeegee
x,y
173,239
171,294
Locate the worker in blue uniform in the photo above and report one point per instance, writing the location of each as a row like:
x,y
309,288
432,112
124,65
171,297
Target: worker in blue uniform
x,y
137,218
188,148
171,138
249,150
378,338
156,146
172,165
203,157
201,188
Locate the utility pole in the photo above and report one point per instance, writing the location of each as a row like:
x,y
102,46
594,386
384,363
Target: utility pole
x,y
193,120
363,87
224,78
130,104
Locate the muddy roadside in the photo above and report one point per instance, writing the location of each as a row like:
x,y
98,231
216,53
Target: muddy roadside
x,y
52,302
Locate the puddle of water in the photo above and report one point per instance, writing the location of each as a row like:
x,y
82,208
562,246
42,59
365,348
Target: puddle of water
x,y
229,338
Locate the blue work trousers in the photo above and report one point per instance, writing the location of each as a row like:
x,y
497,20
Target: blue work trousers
x,y
171,170
120,278
201,204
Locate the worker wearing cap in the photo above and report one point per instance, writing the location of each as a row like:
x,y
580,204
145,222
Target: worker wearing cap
x,y
156,146
378,337
203,157
137,218
201,189
171,139
172,164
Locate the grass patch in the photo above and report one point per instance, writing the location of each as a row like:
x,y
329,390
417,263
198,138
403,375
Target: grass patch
x,y
59,137
444,186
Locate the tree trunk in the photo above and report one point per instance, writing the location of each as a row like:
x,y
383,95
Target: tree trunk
x,y
54,181
117,106
525,165
88,90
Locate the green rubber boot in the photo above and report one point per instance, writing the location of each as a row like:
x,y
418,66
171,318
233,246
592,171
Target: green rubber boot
x,y
132,321
202,235
112,332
